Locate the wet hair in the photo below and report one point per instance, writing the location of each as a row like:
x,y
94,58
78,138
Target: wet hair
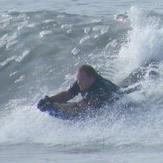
x,y
90,71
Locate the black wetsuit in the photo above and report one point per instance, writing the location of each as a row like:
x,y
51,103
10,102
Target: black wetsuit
x,y
98,94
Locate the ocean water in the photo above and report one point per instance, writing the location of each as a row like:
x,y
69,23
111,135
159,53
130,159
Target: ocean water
x,y
42,43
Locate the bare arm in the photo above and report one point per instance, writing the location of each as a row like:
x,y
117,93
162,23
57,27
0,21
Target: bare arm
x,y
62,97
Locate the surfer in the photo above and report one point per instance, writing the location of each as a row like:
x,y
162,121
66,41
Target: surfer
x,y
94,89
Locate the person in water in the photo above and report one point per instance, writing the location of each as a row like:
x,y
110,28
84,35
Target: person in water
x,y
95,90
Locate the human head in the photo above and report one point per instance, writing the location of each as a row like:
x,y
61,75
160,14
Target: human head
x,y
86,76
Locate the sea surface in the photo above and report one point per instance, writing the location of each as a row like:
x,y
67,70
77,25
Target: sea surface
x,y
42,43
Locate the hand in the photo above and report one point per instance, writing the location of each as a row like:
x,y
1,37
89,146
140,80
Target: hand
x,y
44,103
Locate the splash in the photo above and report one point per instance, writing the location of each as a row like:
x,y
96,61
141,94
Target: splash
x,y
116,47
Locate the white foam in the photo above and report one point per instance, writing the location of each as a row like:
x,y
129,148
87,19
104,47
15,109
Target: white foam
x,y
21,57
44,33
144,43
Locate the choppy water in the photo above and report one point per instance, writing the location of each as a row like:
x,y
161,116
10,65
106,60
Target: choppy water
x,y
42,45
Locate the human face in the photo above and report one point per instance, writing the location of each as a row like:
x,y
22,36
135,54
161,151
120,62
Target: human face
x,y
84,80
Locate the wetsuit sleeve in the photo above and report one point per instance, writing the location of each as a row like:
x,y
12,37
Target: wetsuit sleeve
x,y
74,89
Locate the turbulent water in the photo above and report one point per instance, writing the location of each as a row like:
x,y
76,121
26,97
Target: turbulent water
x,y
42,45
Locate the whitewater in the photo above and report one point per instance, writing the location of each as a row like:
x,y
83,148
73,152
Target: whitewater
x,y
41,46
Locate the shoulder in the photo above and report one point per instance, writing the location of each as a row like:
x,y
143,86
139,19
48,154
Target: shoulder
x,y
109,84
